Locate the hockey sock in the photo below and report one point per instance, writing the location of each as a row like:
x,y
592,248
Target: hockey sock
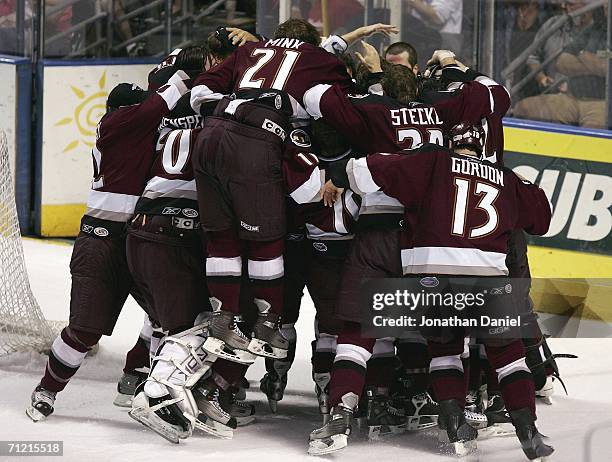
x,y
349,368
138,356
446,370
414,357
224,269
323,353
515,380
382,364
227,374
266,271
67,353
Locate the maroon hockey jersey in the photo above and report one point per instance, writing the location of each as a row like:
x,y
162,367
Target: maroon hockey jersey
x,y
331,223
282,64
172,189
124,151
376,123
460,210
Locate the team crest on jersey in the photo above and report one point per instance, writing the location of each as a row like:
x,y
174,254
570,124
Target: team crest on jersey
x,y
190,213
320,246
102,232
171,211
300,138
429,281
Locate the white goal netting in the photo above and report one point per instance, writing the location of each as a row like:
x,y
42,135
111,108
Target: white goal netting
x,y
22,324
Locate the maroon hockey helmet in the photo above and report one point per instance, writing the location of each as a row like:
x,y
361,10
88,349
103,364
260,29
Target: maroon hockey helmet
x,y
472,137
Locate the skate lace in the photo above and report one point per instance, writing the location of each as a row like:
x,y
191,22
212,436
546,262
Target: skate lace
x,y
472,415
214,400
237,330
471,397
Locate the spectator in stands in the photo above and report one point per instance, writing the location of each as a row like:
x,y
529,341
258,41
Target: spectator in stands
x,y
404,54
572,51
444,15
523,20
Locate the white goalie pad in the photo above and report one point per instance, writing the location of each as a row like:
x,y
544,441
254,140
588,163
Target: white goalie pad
x,y
180,363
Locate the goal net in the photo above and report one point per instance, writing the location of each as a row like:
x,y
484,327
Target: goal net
x,y
22,324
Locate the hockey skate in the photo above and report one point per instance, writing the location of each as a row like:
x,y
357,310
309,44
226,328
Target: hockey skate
x,y
382,419
226,340
42,404
546,392
166,404
498,419
421,412
456,435
273,386
531,440
321,380
332,436
212,418
244,413
126,387
476,419
267,339
162,415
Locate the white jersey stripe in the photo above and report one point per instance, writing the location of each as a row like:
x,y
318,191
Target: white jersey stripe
x,y
309,191
453,260
219,266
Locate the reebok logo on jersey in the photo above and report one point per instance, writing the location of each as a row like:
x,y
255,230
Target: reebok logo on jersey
x,y
171,211
253,229
320,246
273,127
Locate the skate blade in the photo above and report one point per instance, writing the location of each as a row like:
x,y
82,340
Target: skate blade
x,y
155,423
262,348
496,430
243,421
545,399
35,414
381,432
327,445
123,400
214,428
421,423
217,347
273,405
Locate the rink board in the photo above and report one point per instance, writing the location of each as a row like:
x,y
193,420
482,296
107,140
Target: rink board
x,y
15,121
73,101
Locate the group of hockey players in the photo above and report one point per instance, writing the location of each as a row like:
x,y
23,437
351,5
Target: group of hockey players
x,y
252,168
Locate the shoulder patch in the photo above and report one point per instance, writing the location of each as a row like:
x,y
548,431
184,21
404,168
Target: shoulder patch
x,y
300,138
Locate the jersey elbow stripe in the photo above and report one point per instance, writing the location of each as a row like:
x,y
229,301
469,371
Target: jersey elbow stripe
x,y
312,100
309,191
359,176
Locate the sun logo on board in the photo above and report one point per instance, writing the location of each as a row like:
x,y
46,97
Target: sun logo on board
x,y
87,114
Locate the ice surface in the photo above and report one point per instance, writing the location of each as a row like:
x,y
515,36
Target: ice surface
x,y
94,430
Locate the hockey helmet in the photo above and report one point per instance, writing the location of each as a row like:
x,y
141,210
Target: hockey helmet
x,y
472,137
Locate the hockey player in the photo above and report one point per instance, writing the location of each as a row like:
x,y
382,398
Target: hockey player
x,y
100,278
328,233
466,234
292,61
166,229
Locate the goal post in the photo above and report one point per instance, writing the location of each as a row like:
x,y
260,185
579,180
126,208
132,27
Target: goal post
x,y
22,324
